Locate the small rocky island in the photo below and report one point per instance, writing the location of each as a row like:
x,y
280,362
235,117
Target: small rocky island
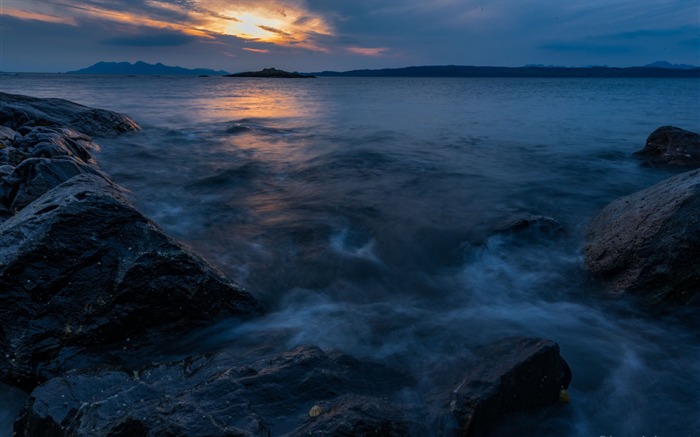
x,y
91,290
272,73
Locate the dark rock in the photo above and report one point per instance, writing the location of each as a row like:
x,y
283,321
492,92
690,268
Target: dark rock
x,y
86,278
17,110
44,142
35,176
11,156
271,73
217,395
362,416
302,392
672,146
514,374
647,243
26,128
11,402
6,170
531,224
7,136
44,158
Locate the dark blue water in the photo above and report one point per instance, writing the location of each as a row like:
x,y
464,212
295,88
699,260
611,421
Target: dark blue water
x,y
361,212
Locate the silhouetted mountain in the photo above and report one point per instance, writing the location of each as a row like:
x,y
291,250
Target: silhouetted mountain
x,y
144,68
530,71
271,72
664,64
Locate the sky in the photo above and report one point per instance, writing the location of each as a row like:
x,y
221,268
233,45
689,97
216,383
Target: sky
x,y
317,35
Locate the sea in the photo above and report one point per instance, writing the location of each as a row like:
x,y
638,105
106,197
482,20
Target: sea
x,y
366,215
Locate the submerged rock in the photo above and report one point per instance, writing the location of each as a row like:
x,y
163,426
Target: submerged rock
x,y
23,112
647,243
531,224
513,374
84,277
672,146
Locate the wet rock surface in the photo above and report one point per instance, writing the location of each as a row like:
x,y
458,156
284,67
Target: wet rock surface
x,y
215,395
513,374
40,160
302,392
23,112
671,146
82,271
84,277
647,243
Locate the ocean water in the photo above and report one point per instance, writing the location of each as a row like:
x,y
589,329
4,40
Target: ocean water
x,y
363,213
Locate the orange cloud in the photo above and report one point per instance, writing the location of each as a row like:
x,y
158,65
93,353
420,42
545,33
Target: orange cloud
x,y
248,49
368,51
287,27
37,16
279,22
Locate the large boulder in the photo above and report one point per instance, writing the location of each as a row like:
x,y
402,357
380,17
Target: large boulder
x,y
648,243
214,396
84,278
19,112
672,146
512,374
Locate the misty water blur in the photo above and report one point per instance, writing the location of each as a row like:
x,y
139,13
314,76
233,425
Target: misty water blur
x,y
365,215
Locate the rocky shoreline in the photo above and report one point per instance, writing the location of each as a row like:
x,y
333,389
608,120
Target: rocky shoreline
x,y
91,290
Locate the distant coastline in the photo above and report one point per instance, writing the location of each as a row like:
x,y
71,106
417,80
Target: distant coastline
x,y
528,71
658,69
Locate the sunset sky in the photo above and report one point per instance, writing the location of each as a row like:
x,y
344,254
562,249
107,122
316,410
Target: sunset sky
x,y
314,35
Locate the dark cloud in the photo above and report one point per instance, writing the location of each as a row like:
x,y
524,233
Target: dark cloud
x,y
156,40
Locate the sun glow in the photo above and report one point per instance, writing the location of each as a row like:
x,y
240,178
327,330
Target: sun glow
x,y
256,27
279,22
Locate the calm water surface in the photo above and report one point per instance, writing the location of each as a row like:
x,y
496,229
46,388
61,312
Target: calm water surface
x,y
362,212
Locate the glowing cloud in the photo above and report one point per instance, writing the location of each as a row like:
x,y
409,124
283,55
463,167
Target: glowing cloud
x,y
248,49
36,16
368,51
286,27
279,22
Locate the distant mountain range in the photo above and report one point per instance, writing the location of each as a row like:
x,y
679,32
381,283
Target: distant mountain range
x,y
664,64
657,69
144,68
